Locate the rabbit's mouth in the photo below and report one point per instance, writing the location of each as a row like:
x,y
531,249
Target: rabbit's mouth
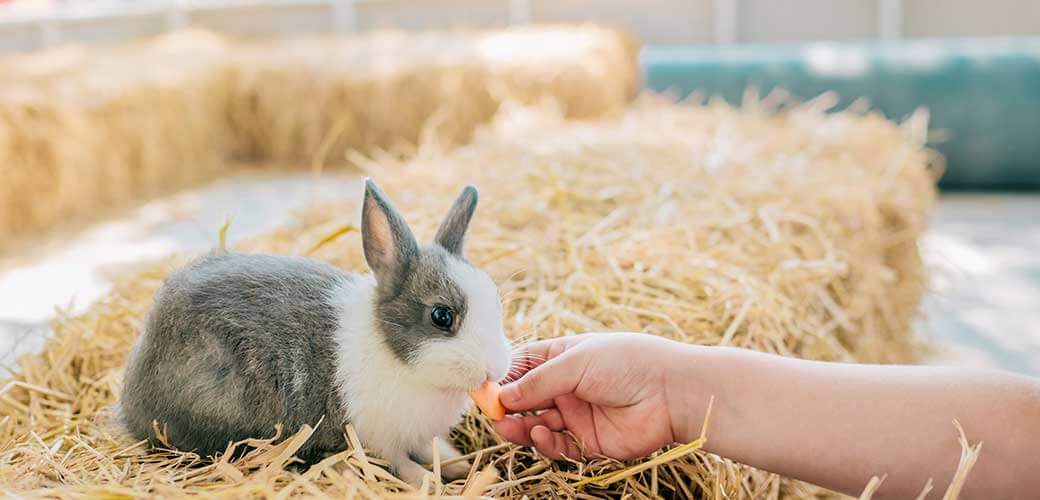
x,y
472,382
454,389
455,377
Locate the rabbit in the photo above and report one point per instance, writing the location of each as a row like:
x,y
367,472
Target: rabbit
x,y
237,343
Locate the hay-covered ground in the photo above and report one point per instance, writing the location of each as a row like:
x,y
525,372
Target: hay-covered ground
x,y
793,233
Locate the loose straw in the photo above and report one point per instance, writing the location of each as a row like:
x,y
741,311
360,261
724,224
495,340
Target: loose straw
x,y
786,230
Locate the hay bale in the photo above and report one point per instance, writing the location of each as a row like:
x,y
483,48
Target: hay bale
x,y
85,129
789,232
326,95
793,233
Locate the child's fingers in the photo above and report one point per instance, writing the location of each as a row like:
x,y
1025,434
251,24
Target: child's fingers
x,y
512,428
518,428
555,445
551,418
537,388
528,356
522,363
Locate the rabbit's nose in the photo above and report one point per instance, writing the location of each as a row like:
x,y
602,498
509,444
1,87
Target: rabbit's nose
x,y
494,377
496,374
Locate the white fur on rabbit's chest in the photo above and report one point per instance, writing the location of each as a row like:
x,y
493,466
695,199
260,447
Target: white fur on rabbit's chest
x,y
390,412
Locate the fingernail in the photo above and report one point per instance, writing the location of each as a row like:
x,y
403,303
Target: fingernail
x,y
509,394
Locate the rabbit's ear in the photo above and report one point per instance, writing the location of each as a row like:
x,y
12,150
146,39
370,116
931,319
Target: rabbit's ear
x,y
452,233
387,240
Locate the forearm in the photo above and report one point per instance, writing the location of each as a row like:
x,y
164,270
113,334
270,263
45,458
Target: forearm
x,y
837,425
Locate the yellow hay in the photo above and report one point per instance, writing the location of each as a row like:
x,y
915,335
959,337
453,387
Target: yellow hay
x,y
969,455
790,232
85,129
89,129
383,89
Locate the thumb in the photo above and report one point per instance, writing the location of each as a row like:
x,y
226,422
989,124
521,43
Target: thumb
x,y
537,388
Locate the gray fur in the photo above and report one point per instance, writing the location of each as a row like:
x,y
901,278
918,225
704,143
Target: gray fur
x,y
452,233
389,258
404,311
237,343
234,344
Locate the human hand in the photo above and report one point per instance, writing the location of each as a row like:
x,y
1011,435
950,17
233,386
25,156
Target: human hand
x,y
614,392
831,424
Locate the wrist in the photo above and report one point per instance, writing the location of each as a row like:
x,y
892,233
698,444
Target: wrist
x,y
701,373
688,388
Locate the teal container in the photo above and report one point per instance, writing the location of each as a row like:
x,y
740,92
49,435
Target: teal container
x,y
984,94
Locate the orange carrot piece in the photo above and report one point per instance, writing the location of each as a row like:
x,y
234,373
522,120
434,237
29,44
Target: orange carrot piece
x,y
486,398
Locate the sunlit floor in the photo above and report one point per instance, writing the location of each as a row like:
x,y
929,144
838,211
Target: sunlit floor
x,y
984,255
983,251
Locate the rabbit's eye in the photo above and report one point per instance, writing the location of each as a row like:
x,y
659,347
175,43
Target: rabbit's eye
x,y
442,317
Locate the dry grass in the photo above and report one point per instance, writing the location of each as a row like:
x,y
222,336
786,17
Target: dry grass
x,y
85,129
791,232
88,129
378,92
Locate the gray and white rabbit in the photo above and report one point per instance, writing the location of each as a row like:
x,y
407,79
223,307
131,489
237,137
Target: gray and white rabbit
x,y
236,343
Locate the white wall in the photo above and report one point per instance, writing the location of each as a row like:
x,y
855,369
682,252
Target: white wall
x,y
258,19
936,18
655,21
419,14
798,20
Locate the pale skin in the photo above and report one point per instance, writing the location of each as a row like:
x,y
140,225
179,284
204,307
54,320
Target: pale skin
x,y
625,395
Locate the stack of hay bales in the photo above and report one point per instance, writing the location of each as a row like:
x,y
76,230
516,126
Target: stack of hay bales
x,y
790,232
85,129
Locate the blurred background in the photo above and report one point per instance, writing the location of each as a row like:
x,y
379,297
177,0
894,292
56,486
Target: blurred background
x,y
973,64
31,24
